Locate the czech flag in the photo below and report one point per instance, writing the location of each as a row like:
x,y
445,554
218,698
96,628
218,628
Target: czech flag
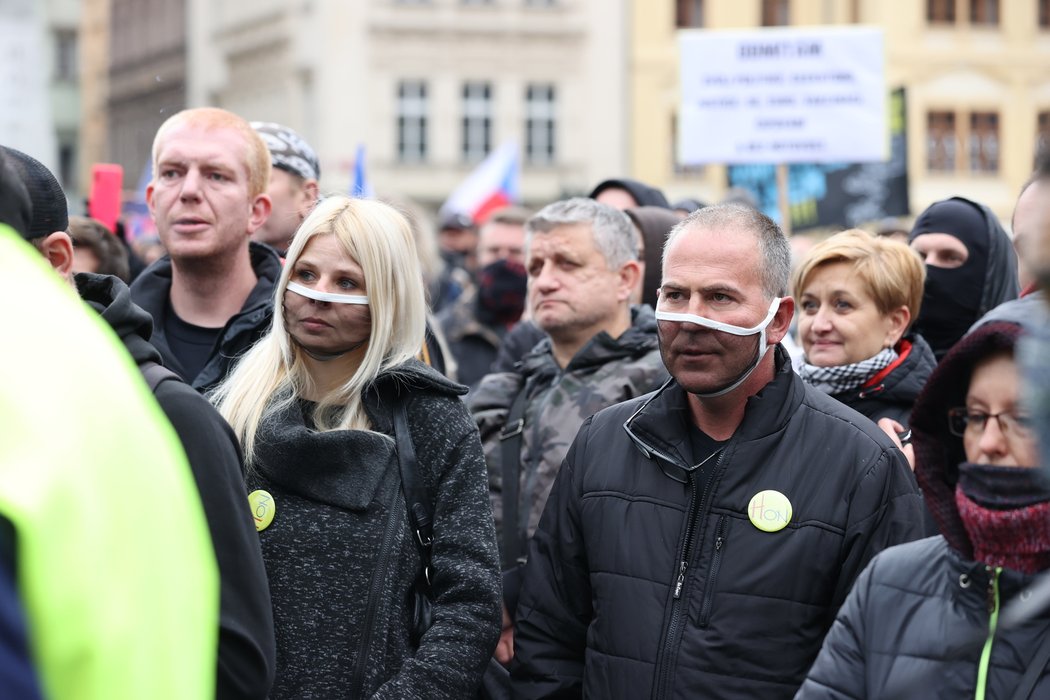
x,y
493,184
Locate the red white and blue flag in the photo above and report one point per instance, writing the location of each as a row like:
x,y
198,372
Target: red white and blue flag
x,y
492,185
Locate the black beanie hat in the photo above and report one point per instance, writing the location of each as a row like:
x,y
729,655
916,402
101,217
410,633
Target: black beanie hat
x,y
45,194
15,209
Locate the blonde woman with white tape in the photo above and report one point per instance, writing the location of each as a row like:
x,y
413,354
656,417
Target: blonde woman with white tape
x,y
315,404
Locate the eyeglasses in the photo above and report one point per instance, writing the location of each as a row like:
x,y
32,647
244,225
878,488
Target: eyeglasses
x,y
961,420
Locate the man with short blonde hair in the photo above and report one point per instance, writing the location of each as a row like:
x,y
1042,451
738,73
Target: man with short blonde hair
x,y
211,296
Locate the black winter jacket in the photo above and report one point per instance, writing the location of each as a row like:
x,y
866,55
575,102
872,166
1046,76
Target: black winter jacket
x,y
915,626
894,394
342,608
246,640
152,288
640,586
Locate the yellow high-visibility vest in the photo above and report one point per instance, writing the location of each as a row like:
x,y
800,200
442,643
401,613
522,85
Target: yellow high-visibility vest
x,y
113,559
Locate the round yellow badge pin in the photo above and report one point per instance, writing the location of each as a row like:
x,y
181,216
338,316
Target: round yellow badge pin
x,y
263,508
769,511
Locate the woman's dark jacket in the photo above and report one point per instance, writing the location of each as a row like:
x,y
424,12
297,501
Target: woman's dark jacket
x,y
892,392
598,614
918,619
246,641
337,500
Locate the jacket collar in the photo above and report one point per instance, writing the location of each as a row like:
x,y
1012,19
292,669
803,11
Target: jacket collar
x,y
659,427
637,340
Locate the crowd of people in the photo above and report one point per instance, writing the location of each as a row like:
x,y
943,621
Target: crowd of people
x,y
612,448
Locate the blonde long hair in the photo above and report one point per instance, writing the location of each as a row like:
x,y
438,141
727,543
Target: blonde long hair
x,y
272,374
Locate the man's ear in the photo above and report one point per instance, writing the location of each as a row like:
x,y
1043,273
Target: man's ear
x,y
311,190
781,323
58,249
259,212
630,272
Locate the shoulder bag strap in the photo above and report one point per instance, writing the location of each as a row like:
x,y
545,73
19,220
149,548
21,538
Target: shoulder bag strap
x,y
420,512
1035,669
510,458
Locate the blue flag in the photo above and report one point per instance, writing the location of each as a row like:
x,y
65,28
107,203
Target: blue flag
x,y
359,184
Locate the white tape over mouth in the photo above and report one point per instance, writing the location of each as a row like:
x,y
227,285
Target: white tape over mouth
x,y
717,325
326,296
734,330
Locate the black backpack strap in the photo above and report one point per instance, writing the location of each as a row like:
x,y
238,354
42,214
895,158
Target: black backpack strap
x,y
156,373
1034,671
510,457
417,499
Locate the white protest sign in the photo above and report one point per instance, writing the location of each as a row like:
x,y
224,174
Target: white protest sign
x,y
784,95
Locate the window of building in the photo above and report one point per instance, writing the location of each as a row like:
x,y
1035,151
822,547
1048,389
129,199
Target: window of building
x,y
540,124
940,141
775,13
412,121
984,142
65,55
690,13
477,121
984,12
940,11
962,142
1042,134
67,156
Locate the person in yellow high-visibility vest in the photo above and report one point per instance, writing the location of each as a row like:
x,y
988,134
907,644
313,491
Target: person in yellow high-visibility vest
x,y
102,526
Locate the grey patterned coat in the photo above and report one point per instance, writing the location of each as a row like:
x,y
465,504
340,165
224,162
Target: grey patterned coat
x,y
604,372
338,498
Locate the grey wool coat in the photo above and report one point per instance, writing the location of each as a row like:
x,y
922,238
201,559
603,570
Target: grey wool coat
x,y
337,498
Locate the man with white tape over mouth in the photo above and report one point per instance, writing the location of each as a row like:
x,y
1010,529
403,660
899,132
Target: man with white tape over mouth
x,y
744,503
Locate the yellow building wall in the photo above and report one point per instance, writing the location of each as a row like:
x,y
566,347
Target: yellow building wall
x,y
960,67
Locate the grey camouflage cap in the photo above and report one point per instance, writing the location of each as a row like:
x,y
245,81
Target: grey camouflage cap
x,y
288,150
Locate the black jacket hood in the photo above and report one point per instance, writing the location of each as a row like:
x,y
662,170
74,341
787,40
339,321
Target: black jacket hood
x,y
644,194
111,298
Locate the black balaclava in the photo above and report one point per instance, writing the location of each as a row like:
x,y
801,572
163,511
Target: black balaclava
x,y
951,300
501,293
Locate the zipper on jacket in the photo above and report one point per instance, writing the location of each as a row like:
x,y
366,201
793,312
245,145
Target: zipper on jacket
x,y
712,576
665,655
993,623
379,580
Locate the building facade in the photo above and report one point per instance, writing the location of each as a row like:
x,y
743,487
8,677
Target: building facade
x,y
428,86
976,74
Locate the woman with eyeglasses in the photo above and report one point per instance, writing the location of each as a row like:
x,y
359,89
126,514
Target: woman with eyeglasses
x,y
923,619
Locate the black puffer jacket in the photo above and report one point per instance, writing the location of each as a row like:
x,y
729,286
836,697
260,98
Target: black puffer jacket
x,y
919,618
895,389
338,498
151,289
609,611
246,641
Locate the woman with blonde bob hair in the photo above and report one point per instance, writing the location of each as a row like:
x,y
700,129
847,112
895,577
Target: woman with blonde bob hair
x,y
857,296
315,403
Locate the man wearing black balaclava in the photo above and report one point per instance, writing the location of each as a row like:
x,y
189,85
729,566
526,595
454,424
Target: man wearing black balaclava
x,y
970,268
